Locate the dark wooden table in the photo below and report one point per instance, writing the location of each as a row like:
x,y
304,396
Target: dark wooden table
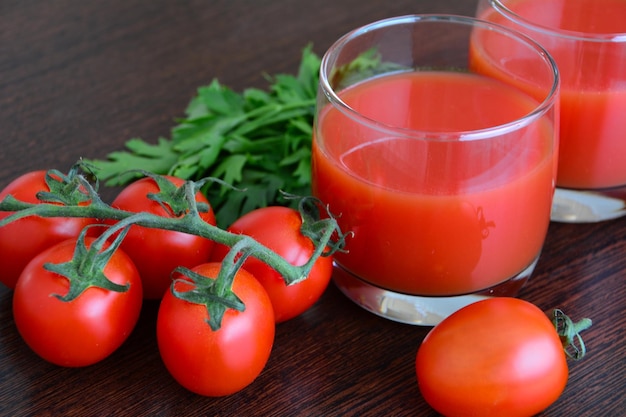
x,y
79,78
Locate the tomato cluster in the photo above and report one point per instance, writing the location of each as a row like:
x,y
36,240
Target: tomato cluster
x,y
79,284
79,317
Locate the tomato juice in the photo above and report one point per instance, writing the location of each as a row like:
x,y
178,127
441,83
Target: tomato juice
x,y
587,39
440,212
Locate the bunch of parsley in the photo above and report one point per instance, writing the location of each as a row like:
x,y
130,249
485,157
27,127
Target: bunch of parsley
x,y
257,141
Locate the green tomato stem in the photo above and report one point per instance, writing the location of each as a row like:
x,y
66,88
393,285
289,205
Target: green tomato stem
x,y
569,332
190,223
73,195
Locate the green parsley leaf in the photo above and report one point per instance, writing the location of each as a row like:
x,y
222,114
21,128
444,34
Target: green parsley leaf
x,y
256,141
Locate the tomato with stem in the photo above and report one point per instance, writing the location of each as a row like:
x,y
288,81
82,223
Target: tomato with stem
x,y
75,304
208,358
279,229
496,357
23,239
157,252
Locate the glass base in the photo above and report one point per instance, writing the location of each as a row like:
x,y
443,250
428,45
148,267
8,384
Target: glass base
x,y
577,206
419,310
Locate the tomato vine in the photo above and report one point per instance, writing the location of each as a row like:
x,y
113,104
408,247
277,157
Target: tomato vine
x,y
75,194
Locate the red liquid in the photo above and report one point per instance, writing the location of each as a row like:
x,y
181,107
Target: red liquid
x,y
593,93
436,216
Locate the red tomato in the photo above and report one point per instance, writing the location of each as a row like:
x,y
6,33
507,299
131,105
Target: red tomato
x,y
82,331
278,228
496,357
158,252
221,362
23,239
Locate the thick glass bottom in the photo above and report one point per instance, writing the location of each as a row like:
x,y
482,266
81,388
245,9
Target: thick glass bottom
x,y
577,206
419,310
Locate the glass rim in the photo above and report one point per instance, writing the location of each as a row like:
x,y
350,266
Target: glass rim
x,y
616,37
540,109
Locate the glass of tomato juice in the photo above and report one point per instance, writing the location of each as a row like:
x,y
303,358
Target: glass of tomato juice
x,y
587,39
438,154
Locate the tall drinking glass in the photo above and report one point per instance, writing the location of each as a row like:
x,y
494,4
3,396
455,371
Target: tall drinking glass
x,y
438,154
587,39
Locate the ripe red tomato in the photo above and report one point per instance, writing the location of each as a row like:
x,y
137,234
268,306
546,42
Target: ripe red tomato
x,y
23,239
221,362
85,330
158,252
278,228
496,357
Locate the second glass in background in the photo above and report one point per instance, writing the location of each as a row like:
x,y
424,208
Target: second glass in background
x,y
587,39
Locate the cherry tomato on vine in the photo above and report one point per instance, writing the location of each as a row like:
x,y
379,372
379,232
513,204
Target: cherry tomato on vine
x,y
158,252
88,328
496,357
278,228
23,239
216,362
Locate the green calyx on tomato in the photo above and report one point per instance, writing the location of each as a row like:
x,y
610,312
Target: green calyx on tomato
x,y
67,189
156,252
214,293
28,235
86,268
569,333
315,227
175,200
